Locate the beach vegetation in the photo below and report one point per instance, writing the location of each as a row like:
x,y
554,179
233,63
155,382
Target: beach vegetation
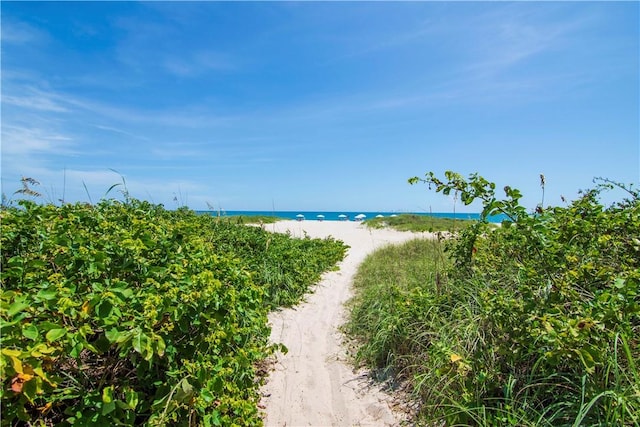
x,y
125,313
249,219
534,323
419,223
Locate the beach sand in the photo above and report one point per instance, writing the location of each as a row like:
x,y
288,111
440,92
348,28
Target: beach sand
x,y
314,384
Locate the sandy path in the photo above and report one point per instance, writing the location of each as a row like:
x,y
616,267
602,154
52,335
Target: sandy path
x,y
313,384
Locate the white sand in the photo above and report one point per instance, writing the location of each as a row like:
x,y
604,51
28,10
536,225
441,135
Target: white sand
x,y
314,384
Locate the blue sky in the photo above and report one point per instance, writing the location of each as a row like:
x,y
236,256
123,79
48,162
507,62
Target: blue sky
x,y
317,106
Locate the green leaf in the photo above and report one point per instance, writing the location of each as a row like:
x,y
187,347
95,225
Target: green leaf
x,y
16,308
207,395
123,294
107,394
14,357
31,388
142,344
113,335
587,360
104,309
136,341
55,334
215,418
41,349
218,385
47,294
160,345
108,408
619,283
131,397
184,391
85,330
76,350
30,332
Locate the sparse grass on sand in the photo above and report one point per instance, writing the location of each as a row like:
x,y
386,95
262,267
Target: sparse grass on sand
x,y
419,223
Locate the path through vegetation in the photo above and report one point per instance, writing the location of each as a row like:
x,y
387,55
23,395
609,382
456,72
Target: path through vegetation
x,y
314,384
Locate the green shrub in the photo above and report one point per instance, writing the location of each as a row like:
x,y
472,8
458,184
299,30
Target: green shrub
x,y
535,323
284,267
128,314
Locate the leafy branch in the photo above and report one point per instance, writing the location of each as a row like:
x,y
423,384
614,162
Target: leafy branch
x,y
477,187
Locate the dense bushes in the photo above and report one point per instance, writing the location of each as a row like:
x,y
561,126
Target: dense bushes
x,y
284,267
128,314
537,322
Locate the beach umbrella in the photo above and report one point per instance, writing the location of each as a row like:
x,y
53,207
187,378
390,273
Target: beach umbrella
x,y
300,217
342,216
379,216
394,215
361,216
320,217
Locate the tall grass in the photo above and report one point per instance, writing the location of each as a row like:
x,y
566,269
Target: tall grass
x,y
533,324
396,289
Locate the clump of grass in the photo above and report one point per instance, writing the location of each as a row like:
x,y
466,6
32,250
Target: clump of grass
x,y
395,290
419,223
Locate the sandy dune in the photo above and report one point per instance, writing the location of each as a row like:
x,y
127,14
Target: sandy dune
x,y
313,384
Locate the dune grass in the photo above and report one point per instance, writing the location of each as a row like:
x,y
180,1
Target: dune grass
x,y
532,324
394,291
419,223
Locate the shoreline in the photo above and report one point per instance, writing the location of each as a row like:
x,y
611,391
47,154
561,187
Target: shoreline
x,y
349,216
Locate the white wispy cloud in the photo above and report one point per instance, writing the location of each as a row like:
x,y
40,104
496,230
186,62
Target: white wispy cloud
x,y
508,36
18,140
198,116
32,98
20,33
121,132
36,100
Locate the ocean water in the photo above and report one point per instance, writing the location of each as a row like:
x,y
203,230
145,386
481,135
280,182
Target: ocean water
x,y
345,215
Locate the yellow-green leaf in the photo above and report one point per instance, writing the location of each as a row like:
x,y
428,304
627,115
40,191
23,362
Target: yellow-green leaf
x,y
55,334
13,356
107,394
42,375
